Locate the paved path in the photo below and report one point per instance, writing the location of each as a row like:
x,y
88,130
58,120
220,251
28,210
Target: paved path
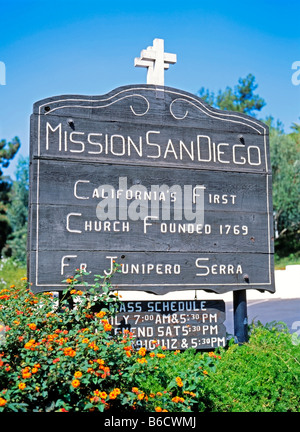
x,y
266,311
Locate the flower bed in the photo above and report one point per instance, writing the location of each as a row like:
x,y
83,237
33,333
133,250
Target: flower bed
x,y
54,357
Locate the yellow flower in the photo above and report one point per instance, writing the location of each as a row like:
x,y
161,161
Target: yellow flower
x,y
24,278
134,389
113,395
103,395
205,372
78,374
22,386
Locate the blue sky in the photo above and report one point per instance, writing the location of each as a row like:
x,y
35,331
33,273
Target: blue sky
x,y
88,47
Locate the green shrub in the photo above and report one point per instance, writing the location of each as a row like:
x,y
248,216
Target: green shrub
x,y
262,375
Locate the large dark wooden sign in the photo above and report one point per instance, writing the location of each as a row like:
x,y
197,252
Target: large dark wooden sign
x,y
155,179
176,325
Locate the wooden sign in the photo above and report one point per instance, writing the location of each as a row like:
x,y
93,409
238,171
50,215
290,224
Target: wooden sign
x,y
177,192
175,325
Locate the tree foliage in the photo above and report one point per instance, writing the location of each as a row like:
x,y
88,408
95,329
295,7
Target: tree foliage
x,y
241,99
8,151
17,213
285,159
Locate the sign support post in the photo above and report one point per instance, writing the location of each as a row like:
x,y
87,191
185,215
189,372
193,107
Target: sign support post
x,y
240,316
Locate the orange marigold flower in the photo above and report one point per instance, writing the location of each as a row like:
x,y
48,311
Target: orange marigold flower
x,y
34,370
152,354
205,372
134,390
22,386
100,314
107,327
141,396
159,355
78,374
142,351
75,383
158,409
127,347
179,382
93,346
32,326
2,401
142,360
103,395
69,280
177,399
30,344
69,352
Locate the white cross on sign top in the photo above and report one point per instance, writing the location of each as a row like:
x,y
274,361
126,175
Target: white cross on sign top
x,y
156,60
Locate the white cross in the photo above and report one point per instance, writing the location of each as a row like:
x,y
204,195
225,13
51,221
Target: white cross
x,y
156,60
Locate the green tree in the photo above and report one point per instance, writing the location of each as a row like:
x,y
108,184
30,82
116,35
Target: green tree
x,y
285,159
241,99
7,152
16,245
